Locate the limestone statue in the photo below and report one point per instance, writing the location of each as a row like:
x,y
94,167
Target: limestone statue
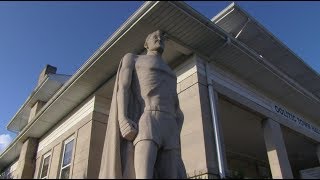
x,y
145,120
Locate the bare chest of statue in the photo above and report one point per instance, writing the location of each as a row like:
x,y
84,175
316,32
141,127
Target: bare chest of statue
x,y
154,81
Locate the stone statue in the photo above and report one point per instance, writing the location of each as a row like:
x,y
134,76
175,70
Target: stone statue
x,y
145,120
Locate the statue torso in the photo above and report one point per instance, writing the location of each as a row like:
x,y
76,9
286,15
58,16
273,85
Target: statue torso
x,y
154,82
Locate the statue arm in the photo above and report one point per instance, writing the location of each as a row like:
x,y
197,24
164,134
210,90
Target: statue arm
x,y
128,128
179,115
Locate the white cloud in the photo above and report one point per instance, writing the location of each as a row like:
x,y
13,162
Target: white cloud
x,y
5,140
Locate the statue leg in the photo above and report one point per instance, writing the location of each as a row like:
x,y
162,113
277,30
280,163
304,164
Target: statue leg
x,y
145,155
167,164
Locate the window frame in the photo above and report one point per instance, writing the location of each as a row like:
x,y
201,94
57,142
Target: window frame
x,y
48,154
65,142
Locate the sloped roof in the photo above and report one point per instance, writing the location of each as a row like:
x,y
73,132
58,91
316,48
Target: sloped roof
x,y
237,22
43,92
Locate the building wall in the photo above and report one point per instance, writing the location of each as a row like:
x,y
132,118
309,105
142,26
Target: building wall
x,y
87,124
197,141
10,172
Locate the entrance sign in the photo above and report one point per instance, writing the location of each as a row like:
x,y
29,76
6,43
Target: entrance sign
x,y
295,119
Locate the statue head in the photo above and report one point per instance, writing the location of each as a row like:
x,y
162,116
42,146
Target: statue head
x,y
155,41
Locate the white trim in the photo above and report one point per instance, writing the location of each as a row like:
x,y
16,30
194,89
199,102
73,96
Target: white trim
x,y
74,117
223,13
48,154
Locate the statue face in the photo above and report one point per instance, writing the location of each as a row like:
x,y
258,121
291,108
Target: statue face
x,y
155,41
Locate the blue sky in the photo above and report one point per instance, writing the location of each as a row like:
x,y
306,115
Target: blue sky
x,y
66,34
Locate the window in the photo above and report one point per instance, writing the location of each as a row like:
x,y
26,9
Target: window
x,y
45,166
66,158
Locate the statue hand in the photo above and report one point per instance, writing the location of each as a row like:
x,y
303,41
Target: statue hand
x,y
128,129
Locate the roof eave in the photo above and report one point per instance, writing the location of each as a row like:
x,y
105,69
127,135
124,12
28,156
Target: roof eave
x,y
233,6
50,84
222,13
109,42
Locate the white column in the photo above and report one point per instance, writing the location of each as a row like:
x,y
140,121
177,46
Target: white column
x,y
277,153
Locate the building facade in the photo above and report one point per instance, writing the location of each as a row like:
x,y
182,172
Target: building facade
x,y
251,106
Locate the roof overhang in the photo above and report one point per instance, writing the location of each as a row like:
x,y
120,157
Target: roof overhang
x,y
187,30
43,92
238,23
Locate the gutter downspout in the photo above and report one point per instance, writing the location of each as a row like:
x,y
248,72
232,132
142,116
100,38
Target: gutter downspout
x,y
214,116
